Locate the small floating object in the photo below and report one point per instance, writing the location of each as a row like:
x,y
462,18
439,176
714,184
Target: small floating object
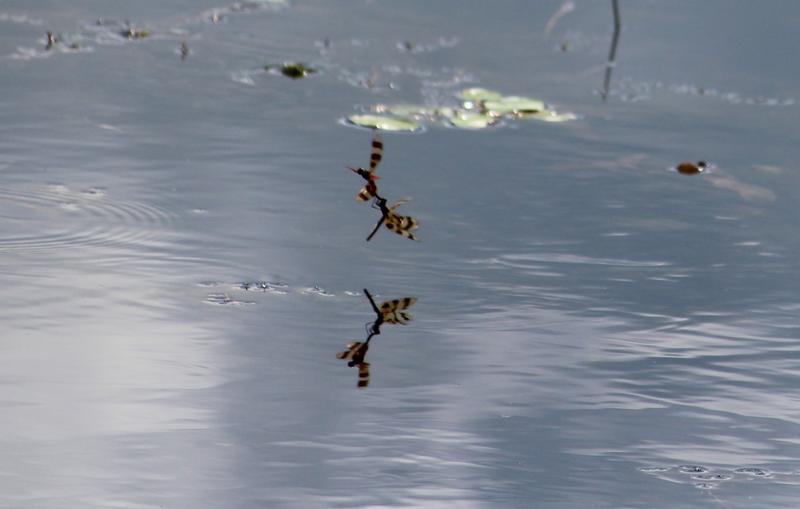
x,y
51,39
134,33
688,168
406,46
759,472
692,469
384,123
294,70
184,50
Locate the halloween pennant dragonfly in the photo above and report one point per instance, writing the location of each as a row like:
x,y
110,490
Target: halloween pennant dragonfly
x,y
401,225
391,312
370,190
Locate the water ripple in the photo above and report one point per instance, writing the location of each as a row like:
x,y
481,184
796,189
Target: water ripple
x,y
59,218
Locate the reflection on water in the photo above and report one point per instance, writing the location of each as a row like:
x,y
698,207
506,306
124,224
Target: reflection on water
x,y
58,217
612,52
392,312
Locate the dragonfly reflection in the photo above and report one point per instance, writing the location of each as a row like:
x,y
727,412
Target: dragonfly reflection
x,y
392,312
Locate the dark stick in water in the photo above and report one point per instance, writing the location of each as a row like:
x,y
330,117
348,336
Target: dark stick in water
x,y
613,53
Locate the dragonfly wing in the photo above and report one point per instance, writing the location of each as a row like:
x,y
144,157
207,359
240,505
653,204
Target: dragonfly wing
x,y
393,312
352,349
402,225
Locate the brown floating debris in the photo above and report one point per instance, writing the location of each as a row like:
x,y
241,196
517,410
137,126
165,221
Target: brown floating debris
x,y
51,39
294,70
688,168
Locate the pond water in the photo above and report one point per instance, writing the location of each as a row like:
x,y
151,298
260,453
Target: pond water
x,y
182,257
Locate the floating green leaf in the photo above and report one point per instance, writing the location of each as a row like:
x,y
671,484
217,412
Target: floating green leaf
x,y
384,123
480,108
479,94
514,105
404,110
471,120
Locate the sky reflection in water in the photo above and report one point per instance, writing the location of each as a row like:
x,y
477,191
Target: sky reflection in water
x,y
592,328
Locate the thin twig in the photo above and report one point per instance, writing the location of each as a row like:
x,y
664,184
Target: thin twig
x,y
613,52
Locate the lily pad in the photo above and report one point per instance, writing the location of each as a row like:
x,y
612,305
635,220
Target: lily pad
x,y
514,105
479,94
384,123
471,120
404,110
294,70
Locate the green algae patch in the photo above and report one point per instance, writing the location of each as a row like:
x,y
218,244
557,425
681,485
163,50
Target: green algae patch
x,y
385,123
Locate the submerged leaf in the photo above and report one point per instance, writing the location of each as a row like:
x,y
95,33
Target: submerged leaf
x,y
514,105
479,94
384,123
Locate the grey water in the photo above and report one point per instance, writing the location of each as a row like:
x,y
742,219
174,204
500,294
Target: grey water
x,y
182,257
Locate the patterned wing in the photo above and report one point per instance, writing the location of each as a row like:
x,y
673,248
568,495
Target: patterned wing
x,y
401,225
355,352
393,312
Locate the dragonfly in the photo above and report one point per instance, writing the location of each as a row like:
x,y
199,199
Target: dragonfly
x,y
391,312
370,190
401,225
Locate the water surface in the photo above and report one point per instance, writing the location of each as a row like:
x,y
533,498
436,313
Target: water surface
x,y
592,329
